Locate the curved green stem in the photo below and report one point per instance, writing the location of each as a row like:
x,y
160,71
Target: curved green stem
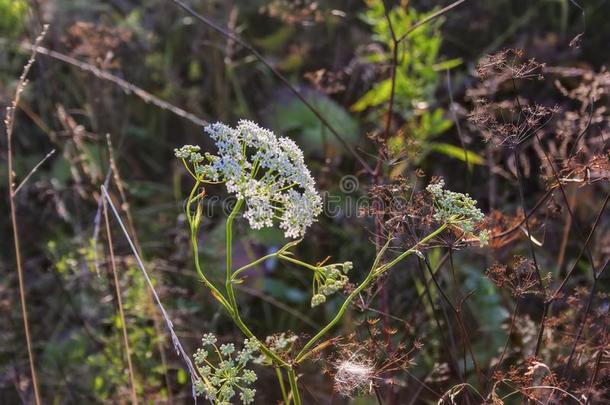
x,y
215,292
280,253
374,273
254,263
194,225
298,262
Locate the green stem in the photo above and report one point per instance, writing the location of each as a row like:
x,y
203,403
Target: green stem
x,y
234,310
215,292
280,253
254,263
299,263
374,273
229,254
292,379
280,378
194,225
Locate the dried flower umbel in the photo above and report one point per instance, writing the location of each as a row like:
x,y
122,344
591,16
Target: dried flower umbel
x,y
520,279
361,363
407,212
509,64
518,123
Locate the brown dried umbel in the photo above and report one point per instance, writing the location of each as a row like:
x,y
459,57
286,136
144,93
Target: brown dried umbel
x,y
577,143
510,123
509,64
568,317
404,213
590,88
503,67
534,380
583,170
501,114
520,279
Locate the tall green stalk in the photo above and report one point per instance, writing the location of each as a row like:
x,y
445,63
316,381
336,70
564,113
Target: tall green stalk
x,y
235,310
229,302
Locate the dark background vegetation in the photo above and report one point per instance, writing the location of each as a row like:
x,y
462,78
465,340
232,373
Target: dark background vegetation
x,y
334,52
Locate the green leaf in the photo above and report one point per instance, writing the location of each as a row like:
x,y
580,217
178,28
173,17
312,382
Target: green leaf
x,y
375,96
295,119
448,64
457,152
13,15
181,376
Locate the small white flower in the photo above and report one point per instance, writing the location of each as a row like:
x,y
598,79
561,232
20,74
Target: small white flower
x,y
266,171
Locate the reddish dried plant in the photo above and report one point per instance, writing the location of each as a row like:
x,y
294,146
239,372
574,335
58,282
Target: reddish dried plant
x,y
520,279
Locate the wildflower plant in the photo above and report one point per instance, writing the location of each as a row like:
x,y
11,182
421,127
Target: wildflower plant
x,y
268,176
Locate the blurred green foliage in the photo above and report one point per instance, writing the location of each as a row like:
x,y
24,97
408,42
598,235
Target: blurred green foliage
x,y
419,70
419,64
297,120
12,17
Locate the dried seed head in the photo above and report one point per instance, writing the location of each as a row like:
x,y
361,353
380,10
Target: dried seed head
x,y
353,375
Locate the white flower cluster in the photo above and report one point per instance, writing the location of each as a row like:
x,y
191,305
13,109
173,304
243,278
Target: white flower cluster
x,y
220,381
457,209
267,171
328,280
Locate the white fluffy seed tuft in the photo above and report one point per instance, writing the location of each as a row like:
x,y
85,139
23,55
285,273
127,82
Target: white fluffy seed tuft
x,y
353,376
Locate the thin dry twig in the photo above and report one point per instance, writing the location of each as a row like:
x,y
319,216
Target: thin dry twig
x,y
26,178
9,122
170,326
96,225
117,289
127,87
429,18
149,301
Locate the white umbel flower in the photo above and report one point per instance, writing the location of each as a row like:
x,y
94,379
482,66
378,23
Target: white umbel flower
x,y
266,171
